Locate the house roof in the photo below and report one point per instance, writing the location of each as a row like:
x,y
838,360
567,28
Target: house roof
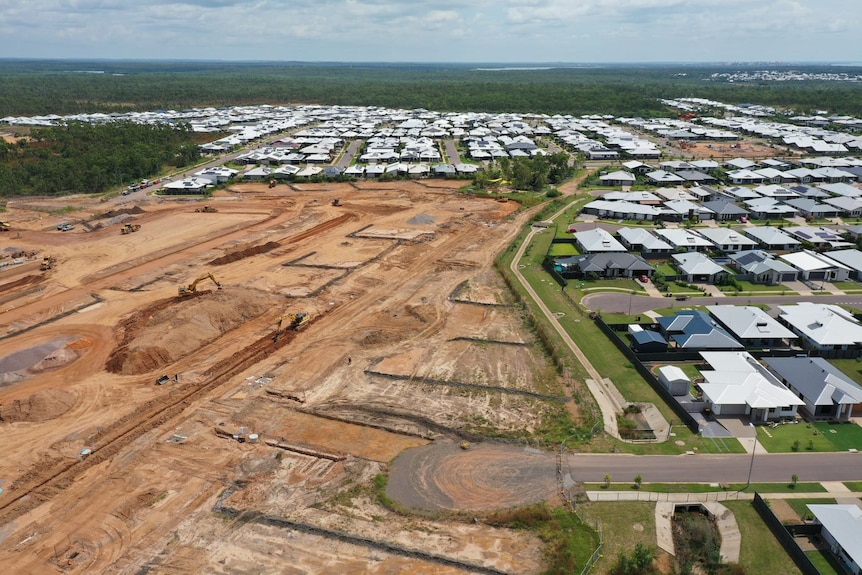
x,y
600,262
684,238
648,336
749,322
844,523
811,261
598,240
628,208
695,263
739,379
727,236
759,262
694,329
642,237
770,236
824,324
820,382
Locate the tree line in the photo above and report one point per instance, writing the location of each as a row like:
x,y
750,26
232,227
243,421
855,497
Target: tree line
x,y
60,87
78,157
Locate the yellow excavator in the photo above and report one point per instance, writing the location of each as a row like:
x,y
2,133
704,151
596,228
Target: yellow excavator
x,y
295,321
192,288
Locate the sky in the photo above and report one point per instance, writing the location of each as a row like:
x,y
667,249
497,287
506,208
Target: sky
x,y
510,31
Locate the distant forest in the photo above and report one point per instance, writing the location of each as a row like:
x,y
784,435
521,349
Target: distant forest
x,y
41,87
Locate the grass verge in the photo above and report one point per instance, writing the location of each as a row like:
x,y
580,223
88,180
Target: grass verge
x,y
760,551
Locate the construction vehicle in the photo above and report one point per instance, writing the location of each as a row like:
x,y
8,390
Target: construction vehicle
x,y
465,445
47,263
192,288
336,202
206,210
129,228
272,183
5,227
295,322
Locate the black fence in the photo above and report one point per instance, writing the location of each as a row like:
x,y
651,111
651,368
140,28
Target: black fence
x,y
784,536
651,379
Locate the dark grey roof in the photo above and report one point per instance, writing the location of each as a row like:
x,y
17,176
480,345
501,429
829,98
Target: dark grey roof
x,y
819,381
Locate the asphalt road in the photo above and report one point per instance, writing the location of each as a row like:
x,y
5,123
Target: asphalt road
x,y
710,468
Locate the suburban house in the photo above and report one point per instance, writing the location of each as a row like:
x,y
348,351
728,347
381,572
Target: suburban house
x,y
771,238
849,258
686,210
760,267
744,177
597,240
725,210
739,385
728,240
643,241
695,267
684,240
828,392
848,207
695,330
663,177
816,267
819,236
752,326
841,189
841,525
187,186
618,178
827,329
764,208
643,198
621,210
814,209
606,265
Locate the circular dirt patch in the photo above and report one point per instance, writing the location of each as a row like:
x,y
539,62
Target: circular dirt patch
x,y
41,406
482,478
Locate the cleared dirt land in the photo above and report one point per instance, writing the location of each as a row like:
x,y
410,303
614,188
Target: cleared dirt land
x,y
259,454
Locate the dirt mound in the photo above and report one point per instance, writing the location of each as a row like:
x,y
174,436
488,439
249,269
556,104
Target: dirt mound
x,y
57,359
171,329
421,219
122,212
41,406
244,253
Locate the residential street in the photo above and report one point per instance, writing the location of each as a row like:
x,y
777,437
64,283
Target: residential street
x,y
708,468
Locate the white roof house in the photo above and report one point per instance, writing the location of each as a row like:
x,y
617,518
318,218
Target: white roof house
x,y
842,525
739,385
816,267
639,239
828,328
771,238
598,240
682,238
751,325
728,240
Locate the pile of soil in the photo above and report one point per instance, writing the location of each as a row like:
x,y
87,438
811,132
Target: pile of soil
x,y
37,359
171,329
244,253
421,219
41,406
120,212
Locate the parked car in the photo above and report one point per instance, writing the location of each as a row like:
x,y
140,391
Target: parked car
x,y
644,279
65,227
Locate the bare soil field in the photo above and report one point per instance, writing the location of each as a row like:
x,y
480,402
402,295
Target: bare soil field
x,y
259,453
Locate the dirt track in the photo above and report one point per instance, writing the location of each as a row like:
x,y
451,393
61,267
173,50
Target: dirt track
x,y
85,342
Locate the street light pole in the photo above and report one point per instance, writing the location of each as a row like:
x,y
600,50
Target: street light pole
x,y
753,451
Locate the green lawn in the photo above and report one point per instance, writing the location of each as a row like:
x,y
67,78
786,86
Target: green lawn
x,y
800,506
657,487
782,439
563,250
855,486
825,562
760,551
801,487
852,368
623,525
842,436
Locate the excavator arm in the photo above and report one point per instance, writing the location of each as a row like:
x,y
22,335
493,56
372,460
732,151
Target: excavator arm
x,y
193,287
295,321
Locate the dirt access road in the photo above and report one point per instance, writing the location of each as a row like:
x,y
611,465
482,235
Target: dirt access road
x,y
257,451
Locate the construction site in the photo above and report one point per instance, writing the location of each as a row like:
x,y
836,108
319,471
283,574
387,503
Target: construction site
x,y
190,387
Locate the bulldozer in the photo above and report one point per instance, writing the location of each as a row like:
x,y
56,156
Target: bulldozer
x,y
336,202
48,263
192,288
129,228
295,322
206,210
